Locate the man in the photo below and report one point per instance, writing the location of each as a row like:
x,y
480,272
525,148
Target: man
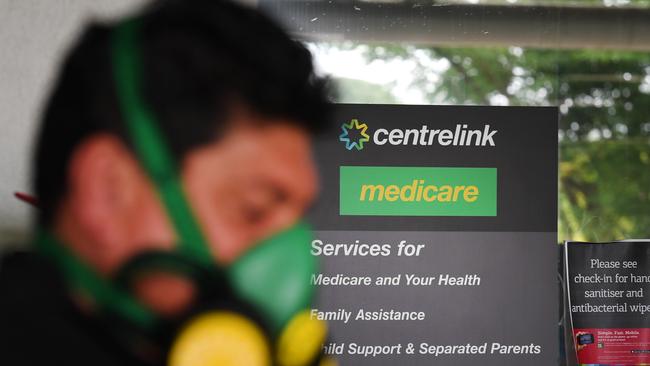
x,y
233,101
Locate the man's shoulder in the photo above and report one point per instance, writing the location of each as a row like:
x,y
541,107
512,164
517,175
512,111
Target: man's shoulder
x,y
28,297
38,323
26,278
31,292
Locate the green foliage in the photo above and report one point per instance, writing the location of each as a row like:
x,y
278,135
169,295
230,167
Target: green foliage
x,y
602,94
604,190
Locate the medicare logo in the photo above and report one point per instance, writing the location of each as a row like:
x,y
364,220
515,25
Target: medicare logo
x,y
354,134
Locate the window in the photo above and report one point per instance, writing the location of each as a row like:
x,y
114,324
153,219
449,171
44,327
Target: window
x,y
590,58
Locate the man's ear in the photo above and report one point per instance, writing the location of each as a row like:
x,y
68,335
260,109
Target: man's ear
x,y
105,185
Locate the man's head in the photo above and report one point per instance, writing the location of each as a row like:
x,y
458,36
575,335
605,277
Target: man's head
x,y
236,101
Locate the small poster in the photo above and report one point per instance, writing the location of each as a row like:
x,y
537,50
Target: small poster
x,y
609,299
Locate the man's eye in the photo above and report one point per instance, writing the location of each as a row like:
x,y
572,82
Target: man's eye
x,y
280,196
254,214
261,203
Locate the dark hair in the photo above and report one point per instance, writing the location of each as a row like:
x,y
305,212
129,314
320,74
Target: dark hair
x,y
200,58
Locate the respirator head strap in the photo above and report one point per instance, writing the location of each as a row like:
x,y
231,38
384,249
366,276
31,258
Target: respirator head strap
x,y
149,142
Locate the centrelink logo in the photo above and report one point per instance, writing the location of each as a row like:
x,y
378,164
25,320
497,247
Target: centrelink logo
x,y
355,134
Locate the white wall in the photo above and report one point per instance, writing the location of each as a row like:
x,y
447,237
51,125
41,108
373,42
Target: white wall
x,y
33,36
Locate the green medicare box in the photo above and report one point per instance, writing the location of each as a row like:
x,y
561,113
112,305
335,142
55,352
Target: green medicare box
x,y
417,191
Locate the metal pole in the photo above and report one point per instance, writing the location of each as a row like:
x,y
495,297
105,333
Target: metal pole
x,y
466,25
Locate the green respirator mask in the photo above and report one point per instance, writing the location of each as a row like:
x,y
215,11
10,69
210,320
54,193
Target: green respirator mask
x,y
252,312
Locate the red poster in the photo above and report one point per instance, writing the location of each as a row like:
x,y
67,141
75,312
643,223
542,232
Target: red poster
x,y
611,346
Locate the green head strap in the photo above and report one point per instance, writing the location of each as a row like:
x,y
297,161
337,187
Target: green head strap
x,y
147,139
